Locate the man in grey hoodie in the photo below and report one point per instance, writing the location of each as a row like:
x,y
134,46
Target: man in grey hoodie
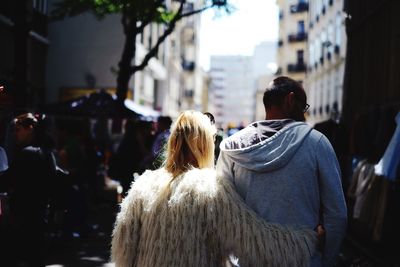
x,y
286,171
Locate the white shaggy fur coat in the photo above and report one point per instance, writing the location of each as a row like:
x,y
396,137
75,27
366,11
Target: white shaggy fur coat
x,y
197,220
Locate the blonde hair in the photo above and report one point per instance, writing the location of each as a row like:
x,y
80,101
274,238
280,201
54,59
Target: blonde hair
x,y
191,143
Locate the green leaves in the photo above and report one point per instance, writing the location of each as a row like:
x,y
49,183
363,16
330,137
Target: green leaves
x,y
164,16
142,10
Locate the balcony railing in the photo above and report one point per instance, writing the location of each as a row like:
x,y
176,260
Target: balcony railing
x,y
299,7
298,67
188,65
297,37
189,93
337,49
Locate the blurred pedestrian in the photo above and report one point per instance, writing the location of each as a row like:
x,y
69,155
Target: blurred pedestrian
x,y
157,155
28,182
133,148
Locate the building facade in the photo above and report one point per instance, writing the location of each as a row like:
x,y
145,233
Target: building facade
x,y
81,59
237,84
264,66
232,90
23,49
293,21
326,49
183,88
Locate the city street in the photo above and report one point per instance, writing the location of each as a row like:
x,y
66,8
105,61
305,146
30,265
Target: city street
x,y
90,250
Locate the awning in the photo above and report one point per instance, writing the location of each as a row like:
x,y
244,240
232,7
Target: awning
x,y
142,110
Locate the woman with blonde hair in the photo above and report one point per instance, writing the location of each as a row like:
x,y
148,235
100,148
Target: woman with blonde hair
x,y
184,215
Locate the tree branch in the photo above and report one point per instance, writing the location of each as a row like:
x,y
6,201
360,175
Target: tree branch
x,y
196,11
153,51
150,17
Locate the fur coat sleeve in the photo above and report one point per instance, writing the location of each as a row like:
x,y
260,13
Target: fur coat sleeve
x,y
254,241
198,220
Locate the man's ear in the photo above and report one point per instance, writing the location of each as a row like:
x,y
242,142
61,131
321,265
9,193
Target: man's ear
x,y
291,99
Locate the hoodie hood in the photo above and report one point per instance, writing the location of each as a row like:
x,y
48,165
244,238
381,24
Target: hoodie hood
x,y
256,149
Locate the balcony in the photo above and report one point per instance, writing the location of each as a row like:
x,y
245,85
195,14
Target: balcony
x,y
188,7
337,49
299,7
297,37
189,93
298,67
188,65
329,55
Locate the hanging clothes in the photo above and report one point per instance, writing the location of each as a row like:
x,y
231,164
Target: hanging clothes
x,y
389,164
368,193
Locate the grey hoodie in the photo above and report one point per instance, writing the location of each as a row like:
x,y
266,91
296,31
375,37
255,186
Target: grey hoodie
x,y
288,174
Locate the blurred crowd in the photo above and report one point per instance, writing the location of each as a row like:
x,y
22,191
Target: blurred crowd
x,y
56,171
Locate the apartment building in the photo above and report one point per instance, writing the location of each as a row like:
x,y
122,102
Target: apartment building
x,y
326,49
184,85
232,90
293,21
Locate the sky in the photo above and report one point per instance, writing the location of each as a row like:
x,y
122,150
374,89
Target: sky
x,y
254,21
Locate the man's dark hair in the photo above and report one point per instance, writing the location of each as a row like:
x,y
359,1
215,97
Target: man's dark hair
x,y
164,122
281,87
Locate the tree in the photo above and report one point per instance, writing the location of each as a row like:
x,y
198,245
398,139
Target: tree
x,y
135,16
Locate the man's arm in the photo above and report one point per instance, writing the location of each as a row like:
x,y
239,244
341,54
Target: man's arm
x,y
333,205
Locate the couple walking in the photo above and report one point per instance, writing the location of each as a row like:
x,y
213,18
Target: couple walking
x,y
275,198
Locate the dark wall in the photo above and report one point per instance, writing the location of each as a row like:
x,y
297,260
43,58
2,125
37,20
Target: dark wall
x,y
23,50
372,76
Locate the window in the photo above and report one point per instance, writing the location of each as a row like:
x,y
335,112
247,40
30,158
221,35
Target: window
x,y
317,49
300,57
323,43
300,26
40,6
311,11
318,7
331,37
338,24
311,54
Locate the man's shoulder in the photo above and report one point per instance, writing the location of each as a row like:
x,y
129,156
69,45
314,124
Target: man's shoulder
x,y
240,139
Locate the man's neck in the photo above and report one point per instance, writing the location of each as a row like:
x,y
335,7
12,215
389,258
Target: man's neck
x,y
274,113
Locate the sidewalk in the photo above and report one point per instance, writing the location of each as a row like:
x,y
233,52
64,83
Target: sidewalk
x,y
90,250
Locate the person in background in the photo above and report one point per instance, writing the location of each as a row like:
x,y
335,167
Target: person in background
x,y
3,160
286,171
28,182
218,137
182,214
134,147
